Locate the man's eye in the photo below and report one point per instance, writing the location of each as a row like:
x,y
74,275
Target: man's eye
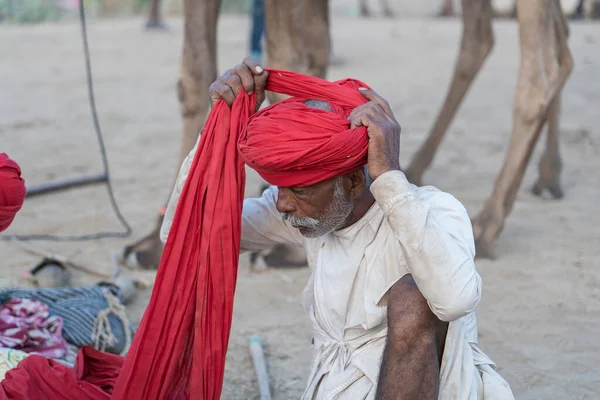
x,y
298,191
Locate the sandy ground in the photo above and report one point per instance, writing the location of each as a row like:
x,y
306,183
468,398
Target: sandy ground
x,y
540,314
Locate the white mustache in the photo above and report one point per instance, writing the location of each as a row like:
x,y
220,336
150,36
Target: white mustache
x,y
304,222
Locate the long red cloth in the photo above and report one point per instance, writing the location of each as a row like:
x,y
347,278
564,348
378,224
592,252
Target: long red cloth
x,y
12,190
41,378
179,349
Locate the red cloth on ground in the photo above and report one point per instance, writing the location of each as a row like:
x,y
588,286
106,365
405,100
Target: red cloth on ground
x,y
39,378
179,349
12,190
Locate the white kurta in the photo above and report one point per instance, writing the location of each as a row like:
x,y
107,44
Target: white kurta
x,y
421,231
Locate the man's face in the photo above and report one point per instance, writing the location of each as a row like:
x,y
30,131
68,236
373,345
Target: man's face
x,y
316,210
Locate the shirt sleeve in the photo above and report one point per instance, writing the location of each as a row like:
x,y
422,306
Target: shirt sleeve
x,y
436,237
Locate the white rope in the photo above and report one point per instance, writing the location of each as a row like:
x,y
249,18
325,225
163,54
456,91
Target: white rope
x,y
102,334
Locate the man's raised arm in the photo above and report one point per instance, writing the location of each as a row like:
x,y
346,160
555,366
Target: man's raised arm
x,y
432,227
436,237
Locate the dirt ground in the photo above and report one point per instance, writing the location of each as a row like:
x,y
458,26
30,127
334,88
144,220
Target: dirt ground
x,y
540,314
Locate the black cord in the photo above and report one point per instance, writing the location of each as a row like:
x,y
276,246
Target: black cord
x,y
109,187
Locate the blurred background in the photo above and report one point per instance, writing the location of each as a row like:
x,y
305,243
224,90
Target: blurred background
x,y
540,314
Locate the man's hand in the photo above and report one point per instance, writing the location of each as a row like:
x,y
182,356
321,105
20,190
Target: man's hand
x,y
249,76
384,133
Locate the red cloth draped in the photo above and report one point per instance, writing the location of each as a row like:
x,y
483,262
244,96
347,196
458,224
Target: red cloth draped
x,y
37,378
12,190
179,349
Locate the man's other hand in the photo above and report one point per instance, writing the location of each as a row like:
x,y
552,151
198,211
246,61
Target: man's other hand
x,y
384,133
248,76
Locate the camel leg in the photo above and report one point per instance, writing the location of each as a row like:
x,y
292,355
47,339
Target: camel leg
x,y
477,42
284,34
545,65
447,9
317,37
550,164
387,9
154,17
198,70
589,9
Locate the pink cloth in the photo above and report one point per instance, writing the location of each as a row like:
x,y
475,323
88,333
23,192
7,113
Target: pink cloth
x,y
26,325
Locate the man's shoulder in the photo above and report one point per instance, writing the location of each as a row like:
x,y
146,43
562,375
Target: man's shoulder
x,y
438,198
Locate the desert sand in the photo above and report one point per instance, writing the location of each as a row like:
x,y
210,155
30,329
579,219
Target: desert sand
x,y
539,319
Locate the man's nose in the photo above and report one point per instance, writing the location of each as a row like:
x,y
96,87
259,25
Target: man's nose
x,y
285,201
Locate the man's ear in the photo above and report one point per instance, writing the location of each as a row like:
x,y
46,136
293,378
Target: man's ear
x,y
357,183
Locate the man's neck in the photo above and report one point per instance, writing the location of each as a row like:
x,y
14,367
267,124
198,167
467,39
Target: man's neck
x,y
361,206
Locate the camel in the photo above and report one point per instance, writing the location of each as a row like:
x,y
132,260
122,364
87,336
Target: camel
x,y
545,65
297,39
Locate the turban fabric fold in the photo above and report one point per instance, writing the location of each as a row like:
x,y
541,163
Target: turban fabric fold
x,y
179,349
289,144
12,191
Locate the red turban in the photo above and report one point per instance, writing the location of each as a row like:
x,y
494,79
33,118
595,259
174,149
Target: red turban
x,y
290,144
12,190
179,349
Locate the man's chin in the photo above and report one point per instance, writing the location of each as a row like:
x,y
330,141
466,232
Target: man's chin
x,y
310,233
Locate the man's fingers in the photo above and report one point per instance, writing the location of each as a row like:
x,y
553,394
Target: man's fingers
x,y
366,113
246,77
365,118
223,91
373,96
234,82
260,77
253,66
260,82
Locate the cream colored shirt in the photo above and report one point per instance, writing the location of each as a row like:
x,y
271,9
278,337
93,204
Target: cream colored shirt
x,y
421,231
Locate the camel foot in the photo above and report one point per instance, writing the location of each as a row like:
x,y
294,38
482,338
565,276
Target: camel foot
x,y
146,252
335,60
484,250
445,13
279,256
549,167
552,187
414,175
487,225
156,25
286,256
388,13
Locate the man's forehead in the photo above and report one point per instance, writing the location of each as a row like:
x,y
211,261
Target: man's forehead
x,y
314,186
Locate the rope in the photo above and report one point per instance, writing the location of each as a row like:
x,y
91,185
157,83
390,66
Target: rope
x,y
109,187
102,334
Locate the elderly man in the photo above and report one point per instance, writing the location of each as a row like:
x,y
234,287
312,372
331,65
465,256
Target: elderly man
x,y
393,284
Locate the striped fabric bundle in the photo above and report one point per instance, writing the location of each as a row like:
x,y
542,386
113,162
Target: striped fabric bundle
x,y
90,315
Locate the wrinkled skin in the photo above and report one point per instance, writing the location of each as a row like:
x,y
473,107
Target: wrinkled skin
x,y
335,203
